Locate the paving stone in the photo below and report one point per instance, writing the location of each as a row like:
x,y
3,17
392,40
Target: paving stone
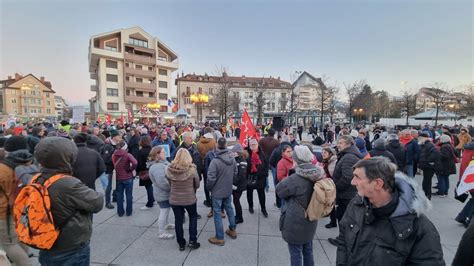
x,y
200,222
138,217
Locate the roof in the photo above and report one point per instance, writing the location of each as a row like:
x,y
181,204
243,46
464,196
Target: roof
x,y
182,112
242,80
432,114
318,80
8,82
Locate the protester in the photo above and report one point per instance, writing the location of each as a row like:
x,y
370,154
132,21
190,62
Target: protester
x,y
275,157
240,181
72,204
166,141
157,165
206,144
380,150
447,165
412,153
124,164
107,152
285,164
464,254
329,164
143,172
222,171
464,138
465,215
429,157
89,165
296,190
360,144
258,173
184,181
388,208
394,146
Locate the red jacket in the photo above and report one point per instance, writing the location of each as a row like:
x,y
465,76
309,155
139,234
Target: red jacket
x,y
123,168
467,156
283,167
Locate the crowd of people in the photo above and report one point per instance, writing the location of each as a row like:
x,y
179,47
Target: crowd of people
x,y
373,171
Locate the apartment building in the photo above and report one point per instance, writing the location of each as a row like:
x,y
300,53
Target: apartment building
x,y
131,69
243,91
59,106
27,97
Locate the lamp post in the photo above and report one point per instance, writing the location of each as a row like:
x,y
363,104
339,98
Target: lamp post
x,y
199,99
358,114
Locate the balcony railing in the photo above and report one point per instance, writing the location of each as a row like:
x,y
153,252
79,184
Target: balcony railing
x,y
139,99
140,59
140,72
139,85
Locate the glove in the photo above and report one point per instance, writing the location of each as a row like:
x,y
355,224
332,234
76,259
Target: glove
x,y
234,187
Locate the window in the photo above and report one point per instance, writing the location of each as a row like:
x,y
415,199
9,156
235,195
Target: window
x,y
163,84
48,111
26,110
211,90
110,48
283,95
139,80
163,72
138,67
13,100
235,84
39,101
139,93
112,92
48,102
113,106
112,78
111,64
187,100
151,95
199,90
164,108
251,95
127,64
127,78
128,92
163,96
40,110
138,42
188,91
273,106
150,68
189,111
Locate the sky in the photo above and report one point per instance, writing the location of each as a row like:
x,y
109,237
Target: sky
x,y
382,42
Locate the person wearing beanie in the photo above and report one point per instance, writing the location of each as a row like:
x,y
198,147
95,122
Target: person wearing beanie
x,y
360,144
107,151
72,203
296,190
220,177
429,158
447,165
16,155
258,174
240,182
89,165
395,147
381,150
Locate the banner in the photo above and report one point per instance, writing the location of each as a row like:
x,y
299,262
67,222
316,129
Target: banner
x,y
247,130
78,114
467,180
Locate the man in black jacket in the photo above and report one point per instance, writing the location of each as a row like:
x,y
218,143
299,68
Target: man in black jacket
x,y
429,158
384,224
106,153
89,164
348,156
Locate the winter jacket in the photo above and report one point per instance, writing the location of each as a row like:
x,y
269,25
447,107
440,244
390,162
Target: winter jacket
x,y
89,165
464,138
142,160
296,190
267,145
283,167
204,146
398,152
222,171
404,237
184,181
467,156
124,164
161,185
194,154
133,146
72,202
168,142
31,142
381,151
412,152
262,169
464,254
95,143
429,156
447,166
207,160
240,181
343,172
106,153
275,157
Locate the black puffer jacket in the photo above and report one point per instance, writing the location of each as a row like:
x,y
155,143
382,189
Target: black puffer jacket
x,y
240,180
89,165
141,164
447,166
429,156
380,150
398,151
404,237
343,172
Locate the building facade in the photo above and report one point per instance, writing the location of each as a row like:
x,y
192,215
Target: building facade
x,y
59,106
243,93
131,69
27,97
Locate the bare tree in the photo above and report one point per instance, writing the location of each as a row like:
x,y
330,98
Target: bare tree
x,y
364,101
324,94
408,103
381,104
352,91
262,99
222,101
438,92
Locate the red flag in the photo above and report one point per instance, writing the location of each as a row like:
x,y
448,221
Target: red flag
x,y
108,119
247,130
175,108
130,117
467,180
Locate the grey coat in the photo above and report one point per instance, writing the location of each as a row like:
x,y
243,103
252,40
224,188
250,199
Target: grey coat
x,y
221,174
296,190
161,185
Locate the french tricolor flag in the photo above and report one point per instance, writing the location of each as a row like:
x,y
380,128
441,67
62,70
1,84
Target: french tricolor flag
x,y
170,103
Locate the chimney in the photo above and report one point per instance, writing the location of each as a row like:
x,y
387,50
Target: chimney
x,y
17,76
42,79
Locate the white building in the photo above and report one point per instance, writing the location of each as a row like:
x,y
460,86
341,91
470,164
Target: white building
x,y
59,105
131,68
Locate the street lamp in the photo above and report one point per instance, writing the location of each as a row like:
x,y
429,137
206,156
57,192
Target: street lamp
x,y
358,113
199,99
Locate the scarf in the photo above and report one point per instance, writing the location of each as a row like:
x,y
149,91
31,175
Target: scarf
x,y
254,162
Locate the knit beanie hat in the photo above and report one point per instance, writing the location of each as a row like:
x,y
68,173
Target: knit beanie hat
x,y
114,133
445,139
237,148
15,143
360,143
302,154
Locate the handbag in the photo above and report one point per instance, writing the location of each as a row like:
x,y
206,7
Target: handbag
x,y
252,181
144,175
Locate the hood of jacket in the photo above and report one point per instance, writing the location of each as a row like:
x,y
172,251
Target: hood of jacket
x,y
412,199
18,157
120,152
351,150
394,143
56,154
226,156
469,146
310,171
177,172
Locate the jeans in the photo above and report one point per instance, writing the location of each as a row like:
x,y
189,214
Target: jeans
x,y
468,210
275,182
261,197
104,181
218,205
238,208
163,216
127,187
79,257
16,251
179,220
443,184
150,197
410,170
427,177
108,190
301,254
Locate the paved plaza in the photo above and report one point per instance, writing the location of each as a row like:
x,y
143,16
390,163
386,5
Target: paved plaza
x,y
133,240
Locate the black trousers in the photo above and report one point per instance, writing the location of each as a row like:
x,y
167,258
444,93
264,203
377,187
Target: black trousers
x,y
341,208
261,197
206,191
238,208
427,178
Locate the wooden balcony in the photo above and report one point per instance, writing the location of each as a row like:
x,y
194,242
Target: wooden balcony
x,y
138,99
140,59
140,72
